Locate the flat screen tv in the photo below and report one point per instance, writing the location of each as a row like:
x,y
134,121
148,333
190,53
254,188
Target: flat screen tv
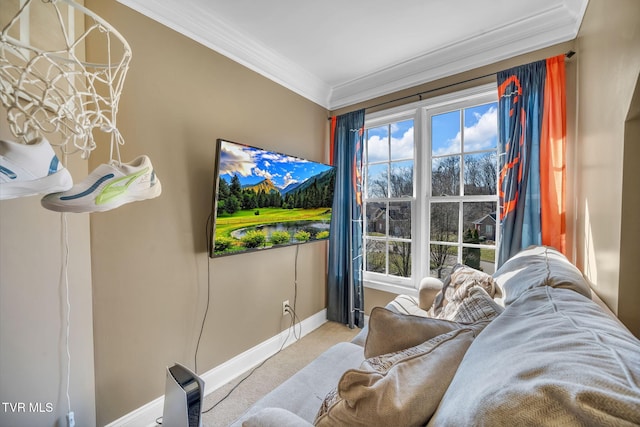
x,y
263,200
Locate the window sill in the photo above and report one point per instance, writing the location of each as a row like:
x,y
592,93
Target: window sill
x,y
391,288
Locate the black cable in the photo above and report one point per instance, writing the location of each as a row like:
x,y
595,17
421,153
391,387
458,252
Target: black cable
x,y
250,373
206,310
292,314
295,293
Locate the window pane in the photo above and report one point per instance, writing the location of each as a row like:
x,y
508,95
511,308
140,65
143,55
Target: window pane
x,y
481,127
488,260
445,133
444,221
479,222
400,219
480,173
377,181
445,176
376,214
402,179
483,259
402,140
400,259
375,253
441,259
378,144
471,257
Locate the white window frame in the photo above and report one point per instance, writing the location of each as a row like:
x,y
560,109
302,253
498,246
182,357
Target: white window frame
x,y
421,113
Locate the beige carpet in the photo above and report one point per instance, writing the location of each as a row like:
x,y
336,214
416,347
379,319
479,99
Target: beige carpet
x,y
275,371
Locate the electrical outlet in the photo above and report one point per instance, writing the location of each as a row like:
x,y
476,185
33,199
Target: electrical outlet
x,y
285,308
71,419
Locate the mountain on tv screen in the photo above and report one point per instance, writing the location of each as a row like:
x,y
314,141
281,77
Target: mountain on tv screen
x,y
263,199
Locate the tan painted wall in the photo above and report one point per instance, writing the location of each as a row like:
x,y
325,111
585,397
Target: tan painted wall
x,y
33,296
629,292
608,64
33,310
376,298
150,264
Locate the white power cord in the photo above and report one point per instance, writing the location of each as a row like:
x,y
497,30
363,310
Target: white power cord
x,y
64,277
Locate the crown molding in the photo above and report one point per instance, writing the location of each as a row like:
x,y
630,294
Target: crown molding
x,y
545,29
552,26
201,26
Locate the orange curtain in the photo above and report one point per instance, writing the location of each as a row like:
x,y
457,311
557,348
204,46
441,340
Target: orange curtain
x,y
334,121
552,157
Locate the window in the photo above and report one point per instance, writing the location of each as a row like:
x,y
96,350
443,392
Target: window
x,y
389,188
430,179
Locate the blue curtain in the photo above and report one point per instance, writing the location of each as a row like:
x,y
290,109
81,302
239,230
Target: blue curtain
x,y
520,112
345,293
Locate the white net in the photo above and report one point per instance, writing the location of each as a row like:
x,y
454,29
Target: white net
x,y
48,84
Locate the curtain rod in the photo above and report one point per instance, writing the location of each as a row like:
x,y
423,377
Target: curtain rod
x,y
419,94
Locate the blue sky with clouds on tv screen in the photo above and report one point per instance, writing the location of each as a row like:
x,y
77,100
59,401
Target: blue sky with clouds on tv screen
x,y
252,165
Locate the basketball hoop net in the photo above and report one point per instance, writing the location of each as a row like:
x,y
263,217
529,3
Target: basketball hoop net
x,y
48,87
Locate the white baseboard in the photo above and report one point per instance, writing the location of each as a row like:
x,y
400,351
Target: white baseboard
x,y
147,414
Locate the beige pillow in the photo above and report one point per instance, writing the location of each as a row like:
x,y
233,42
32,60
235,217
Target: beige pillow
x,y
403,388
456,287
389,331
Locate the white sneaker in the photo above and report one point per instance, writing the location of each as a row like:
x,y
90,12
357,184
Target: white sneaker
x,y
107,187
31,168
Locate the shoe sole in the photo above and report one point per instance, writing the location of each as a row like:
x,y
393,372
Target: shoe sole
x,y
54,183
129,197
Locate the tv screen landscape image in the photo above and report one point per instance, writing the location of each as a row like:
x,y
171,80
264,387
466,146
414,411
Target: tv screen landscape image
x,y
263,199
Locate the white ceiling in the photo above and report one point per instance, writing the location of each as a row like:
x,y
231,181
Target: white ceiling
x,y
340,52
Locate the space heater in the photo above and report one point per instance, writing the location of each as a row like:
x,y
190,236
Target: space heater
x,y
183,398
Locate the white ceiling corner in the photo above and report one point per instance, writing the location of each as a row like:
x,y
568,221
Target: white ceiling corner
x,y
457,35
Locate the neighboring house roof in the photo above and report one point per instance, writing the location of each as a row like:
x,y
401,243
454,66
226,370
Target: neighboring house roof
x,y
378,214
491,216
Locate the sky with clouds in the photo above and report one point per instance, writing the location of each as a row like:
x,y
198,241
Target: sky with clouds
x,y
480,133
401,136
253,165
480,130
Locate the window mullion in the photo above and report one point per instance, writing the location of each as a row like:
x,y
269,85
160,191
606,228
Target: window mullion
x,y
387,206
462,189
421,182
387,236
462,150
425,194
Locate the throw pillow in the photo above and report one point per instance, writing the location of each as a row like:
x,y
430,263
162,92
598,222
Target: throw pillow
x,y
389,331
475,306
457,285
402,388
